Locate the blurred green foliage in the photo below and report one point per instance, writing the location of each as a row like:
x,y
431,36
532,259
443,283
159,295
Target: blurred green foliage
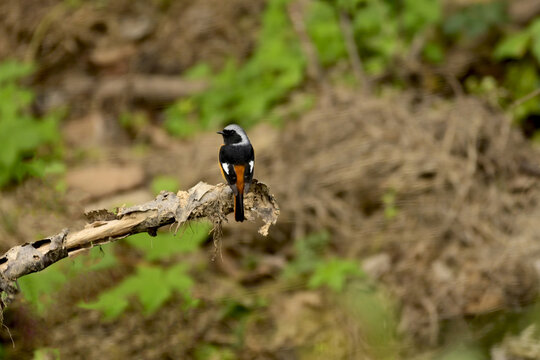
x,y
385,31
151,285
163,182
355,294
522,75
333,273
30,146
166,244
311,265
462,352
39,288
154,285
474,20
376,316
308,252
389,204
323,28
213,352
46,354
245,93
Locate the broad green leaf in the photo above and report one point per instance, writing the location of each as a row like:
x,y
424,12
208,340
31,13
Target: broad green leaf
x,y
98,258
111,304
512,46
151,285
534,30
38,288
22,136
178,278
433,52
522,78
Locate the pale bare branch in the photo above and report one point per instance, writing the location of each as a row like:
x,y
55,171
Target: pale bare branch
x,y
212,202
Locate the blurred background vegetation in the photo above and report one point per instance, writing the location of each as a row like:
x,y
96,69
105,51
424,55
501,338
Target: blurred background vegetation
x,y
105,103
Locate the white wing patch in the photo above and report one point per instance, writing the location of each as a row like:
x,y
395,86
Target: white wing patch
x,y
251,163
225,167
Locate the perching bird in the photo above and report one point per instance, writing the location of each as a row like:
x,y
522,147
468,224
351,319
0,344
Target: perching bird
x,y
237,159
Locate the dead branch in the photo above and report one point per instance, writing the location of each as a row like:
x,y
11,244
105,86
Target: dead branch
x,y
151,88
212,202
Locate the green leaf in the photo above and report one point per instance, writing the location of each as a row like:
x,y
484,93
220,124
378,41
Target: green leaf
x,y
419,14
476,19
433,52
98,258
199,71
151,285
39,288
151,288
333,273
534,30
29,145
11,70
521,79
110,304
323,27
179,279
46,354
512,46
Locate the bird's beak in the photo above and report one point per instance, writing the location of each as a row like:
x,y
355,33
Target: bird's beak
x,y
220,132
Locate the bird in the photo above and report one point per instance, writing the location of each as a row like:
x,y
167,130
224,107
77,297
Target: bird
x,y
237,161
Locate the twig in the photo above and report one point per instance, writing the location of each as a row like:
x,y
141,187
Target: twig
x,y
314,67
201,201
57,12
352,50
524,99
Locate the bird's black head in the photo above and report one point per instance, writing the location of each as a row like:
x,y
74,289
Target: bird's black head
x,y
233,134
